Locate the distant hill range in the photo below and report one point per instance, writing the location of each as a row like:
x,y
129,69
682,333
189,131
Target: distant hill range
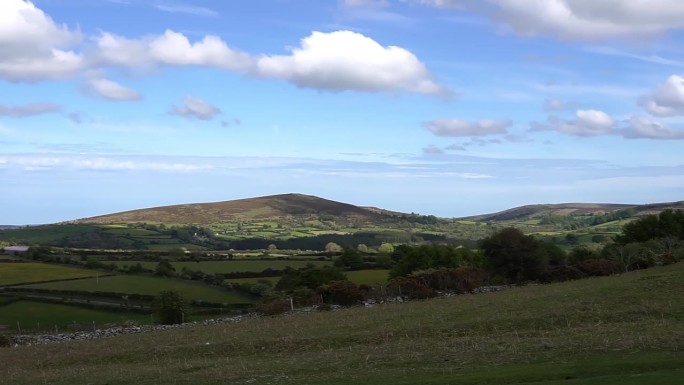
x,y
575,209
261,208
302,206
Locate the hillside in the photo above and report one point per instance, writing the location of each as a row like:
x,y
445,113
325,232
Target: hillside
x,y
610,330
530,212
268,207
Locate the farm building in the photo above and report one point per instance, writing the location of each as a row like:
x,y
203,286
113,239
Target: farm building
x,y
11,250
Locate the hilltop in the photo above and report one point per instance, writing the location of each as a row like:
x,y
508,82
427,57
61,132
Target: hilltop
x,y
267,207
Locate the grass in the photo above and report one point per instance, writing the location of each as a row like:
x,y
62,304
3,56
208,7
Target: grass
x,y
45,316
614,330
236,266
16,273
45,234
134,284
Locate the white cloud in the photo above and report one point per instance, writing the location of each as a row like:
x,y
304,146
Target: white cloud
x,y
668,98
365,3
187,9
32,46
171,48
638,128
111,90
456,127
345,60
33,109
174,48
579,19
557,105
194,108
586,123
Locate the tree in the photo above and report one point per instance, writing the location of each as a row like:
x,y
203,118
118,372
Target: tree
x,y
350,259
513,255
386,248
169,308
332,247
165,268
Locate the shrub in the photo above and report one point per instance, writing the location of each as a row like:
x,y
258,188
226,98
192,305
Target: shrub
x,y
410,287
460,280
599,267
5,341
169,307
276,307
343,293
561,274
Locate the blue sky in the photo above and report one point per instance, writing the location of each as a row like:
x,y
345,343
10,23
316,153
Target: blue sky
x,y
445,107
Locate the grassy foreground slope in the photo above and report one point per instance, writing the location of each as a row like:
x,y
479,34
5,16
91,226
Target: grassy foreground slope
x,y
615,330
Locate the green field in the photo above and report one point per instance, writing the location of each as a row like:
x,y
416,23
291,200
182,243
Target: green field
x,y
15,273
45,316
224,267
135,284
44,234
614,330
367,277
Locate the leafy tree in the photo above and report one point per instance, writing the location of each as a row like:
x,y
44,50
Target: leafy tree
x,y
332,247
513,255
169,307
386,248
165,268
350,259
668,223
311,277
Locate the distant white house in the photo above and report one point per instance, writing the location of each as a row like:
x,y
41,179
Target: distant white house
x,y
11,250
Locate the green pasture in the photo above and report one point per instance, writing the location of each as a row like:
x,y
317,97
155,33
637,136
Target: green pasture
x,y
38,235
619,330
135,284
368,277
27,272
233,266
360,277
36,316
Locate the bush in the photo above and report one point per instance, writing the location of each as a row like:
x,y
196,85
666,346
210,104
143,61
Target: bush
x,y
561,274
599,267
343,293
410,287
273,308
460,280
169,308
5,341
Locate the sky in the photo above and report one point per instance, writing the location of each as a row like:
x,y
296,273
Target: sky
x,y
442,107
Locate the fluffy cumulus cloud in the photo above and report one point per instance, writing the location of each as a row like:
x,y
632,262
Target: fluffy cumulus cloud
x,y
171,48
579,19
32,46
21,111
345,60
457,127
668,98
586,123
111,90
194,108
641,128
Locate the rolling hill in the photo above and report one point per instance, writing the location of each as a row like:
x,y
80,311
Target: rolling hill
x,y
574,209
267,207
